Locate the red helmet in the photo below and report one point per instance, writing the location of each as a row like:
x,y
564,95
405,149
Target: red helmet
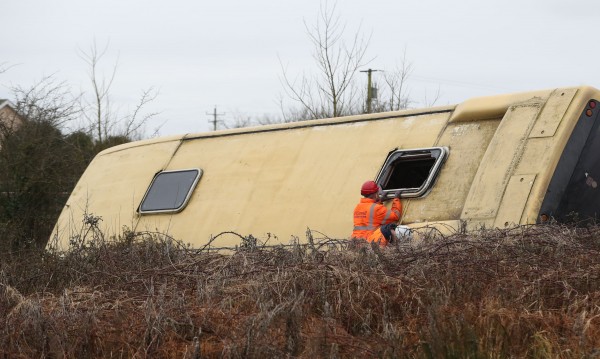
x,y
368,188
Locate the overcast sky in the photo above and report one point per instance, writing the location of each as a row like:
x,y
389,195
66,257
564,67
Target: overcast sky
x,y
226,53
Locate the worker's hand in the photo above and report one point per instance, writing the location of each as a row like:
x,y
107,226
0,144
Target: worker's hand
x,y
398,194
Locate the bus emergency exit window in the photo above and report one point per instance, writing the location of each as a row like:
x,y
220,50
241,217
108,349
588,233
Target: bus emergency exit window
x,y
411,171
170,191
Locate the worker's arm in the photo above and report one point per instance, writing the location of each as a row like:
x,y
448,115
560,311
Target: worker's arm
x,y
390,215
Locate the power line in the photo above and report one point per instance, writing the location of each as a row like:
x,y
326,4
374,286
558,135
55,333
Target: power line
x,y
371,92
214,120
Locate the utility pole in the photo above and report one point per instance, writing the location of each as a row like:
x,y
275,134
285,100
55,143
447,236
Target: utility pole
x,y
214,120
370,93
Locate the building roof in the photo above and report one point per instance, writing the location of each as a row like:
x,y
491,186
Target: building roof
x,y
5,102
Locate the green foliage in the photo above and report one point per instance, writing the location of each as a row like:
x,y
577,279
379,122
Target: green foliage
x,y
36,174
110,141
39,167
82,147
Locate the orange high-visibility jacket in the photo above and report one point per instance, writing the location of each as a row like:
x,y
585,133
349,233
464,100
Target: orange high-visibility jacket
x,y
369,215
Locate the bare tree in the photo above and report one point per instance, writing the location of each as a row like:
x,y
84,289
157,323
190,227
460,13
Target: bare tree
x,y
104,119
47,101
4,66
398,97
330,92
239,120
431,101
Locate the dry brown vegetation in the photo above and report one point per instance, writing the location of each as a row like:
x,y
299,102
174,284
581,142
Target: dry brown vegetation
x,y
525,292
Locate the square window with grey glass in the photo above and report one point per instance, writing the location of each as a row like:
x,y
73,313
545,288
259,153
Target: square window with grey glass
x,y
170,191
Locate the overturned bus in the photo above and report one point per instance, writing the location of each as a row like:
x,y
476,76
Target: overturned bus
x,y
493,161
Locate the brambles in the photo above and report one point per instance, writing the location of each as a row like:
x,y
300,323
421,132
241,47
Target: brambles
x,y
524,292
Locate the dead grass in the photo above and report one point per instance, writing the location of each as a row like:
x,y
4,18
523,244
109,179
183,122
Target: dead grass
x,y
525,292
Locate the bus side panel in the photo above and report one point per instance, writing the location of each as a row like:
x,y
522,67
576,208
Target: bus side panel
x,y
111,188
467,142
500,160
514,200
283,182
553,113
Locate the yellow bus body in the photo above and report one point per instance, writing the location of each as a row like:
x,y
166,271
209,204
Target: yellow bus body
x,y
506,165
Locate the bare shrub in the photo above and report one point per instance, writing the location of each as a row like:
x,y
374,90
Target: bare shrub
x,y
530,291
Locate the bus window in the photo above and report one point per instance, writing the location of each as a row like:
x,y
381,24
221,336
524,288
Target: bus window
x,y
412,171
170,191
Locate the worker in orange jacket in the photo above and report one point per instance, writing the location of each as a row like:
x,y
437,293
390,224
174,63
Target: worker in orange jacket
x,y
369,214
